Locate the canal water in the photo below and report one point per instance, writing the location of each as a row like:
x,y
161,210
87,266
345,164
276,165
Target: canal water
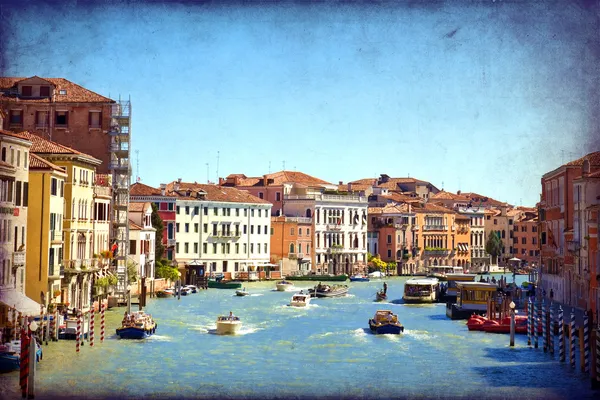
x,y
325,350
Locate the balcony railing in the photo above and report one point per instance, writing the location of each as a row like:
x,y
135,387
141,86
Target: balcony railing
x,y
56,236
57,271
401,226
436,252
300,220
435,227
171,242
334,227
18,258
573,246
415,227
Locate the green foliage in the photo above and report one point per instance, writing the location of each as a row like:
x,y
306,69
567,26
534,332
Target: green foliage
x,y
112,280
101,282
165,271
493,246
132,271
435,249
157,223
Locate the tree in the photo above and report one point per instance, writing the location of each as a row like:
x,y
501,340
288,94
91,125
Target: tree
x,y
493,246
157,223
164,270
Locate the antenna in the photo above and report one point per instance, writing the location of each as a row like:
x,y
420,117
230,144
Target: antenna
x,y
207,175
217,166
137,165
442,185
269,166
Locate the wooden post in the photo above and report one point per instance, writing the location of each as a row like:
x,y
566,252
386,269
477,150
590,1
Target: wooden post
x,y
582,364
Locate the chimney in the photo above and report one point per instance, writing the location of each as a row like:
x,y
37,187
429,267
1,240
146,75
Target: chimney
x,y
221,181
163,188
265,180
176,185
341,183
458,192
349,187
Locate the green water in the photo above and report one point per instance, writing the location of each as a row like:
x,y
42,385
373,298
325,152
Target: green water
x,y
323,350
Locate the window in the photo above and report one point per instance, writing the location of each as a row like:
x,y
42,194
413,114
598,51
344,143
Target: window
x,y
252,229
53,186
177,227
26,91
170,206
195,228
95,119
389,253
252,213
44,91
266,249
62,92
307,231
237,212
265,229
510,221
258,229
299,231
187,228
187,210
132,247
278,196
292,231
16,117
18,158
62,118
178,209
260,195
196,248
389,240
495,221
205,227
18,194
196,210
524,240
204,247
245,229
214,248
245,212
237,248
186,247
216,212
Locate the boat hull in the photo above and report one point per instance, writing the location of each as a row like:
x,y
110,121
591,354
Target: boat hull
x,y
380,297
135,333
385,329
241,293
224,285
329,294
319,278
419,300
352,279
453,311
282,287
9,362
163,295
228,327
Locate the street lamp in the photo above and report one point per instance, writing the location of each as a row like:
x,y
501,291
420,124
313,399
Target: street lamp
x,y
512,323
33,326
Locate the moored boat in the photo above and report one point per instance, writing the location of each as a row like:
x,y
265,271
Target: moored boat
x,y
328,291
441,271
192,288
300,300
423,290
185,291
10,355
284,285
359,278
214,284
472,299
164,294
385,322
448,294
68,329
137,325
228,325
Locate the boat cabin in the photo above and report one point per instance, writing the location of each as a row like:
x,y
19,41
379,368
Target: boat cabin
x,y
452,284
444,270
472,298
425,290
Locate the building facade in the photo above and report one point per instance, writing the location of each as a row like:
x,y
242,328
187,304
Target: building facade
x,y
525,239
142,239
291,244
225,229
480,260
60,111
45,235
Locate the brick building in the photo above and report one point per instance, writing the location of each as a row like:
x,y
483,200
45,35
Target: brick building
x,y
59,110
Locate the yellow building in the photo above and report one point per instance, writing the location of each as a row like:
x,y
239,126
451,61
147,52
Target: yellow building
x,y
78,218
44,230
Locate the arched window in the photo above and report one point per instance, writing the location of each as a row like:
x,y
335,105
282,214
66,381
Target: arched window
x,y
308,213
292,248
299,247
4,154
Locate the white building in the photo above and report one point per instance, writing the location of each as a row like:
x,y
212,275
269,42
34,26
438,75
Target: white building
x,y
142,238
225,229
480,260
339,227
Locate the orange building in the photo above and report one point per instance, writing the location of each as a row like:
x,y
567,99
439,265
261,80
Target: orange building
x,y
525,238
291,243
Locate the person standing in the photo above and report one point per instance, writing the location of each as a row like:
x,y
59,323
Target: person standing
x,y
384,288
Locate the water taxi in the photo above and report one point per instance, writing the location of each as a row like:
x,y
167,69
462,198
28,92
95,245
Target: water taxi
x,y
137,325
192,288
385,322
300,300
424,290
328,291
228,325
359,278
451,289
441,271
472,299
284,285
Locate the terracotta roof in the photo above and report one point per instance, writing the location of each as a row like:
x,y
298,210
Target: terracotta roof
x,y
214,193
39,145
401,198
389,209
594,159
279,178
19,135
139,189
36,162
443,195
428,207
136,207
366,181
462,217
74,92
479,198
133,226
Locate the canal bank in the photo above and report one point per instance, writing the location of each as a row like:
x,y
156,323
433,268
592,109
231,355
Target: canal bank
x,y
323,351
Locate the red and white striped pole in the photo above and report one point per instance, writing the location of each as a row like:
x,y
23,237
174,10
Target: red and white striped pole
x,y
78,333
102,307
91,333
24,363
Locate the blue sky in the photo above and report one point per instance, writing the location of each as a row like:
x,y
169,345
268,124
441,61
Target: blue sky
x,y
484,96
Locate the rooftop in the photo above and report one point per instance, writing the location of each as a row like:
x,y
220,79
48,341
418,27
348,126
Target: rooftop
x,y
73,93
276,178
212,193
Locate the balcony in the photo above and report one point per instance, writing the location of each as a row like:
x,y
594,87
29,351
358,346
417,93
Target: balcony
x,y
300,220
171,242
436,252
415,227
435,227
225,234
334,227
401,226
56,271
573,246
335,249
56,237
18,258
294,256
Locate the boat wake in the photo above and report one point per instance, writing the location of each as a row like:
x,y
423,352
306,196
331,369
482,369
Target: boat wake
x,y
419,335
160,338
256,294
241,332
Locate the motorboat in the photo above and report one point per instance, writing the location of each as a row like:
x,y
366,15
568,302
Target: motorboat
x,y
221,284
192,288
185,291
380,296
441,271
385,322
170,291
328,290
137,325
228,324
242,292
376,275
424,290
359,278
300,300
164,293
475,322
68,329
284,285
10,355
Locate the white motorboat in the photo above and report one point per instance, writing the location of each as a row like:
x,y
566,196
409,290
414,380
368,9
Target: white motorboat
x,y
242,292
284,285
192,288
300,300
228,325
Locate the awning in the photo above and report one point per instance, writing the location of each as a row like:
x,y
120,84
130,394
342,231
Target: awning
x,y
20,302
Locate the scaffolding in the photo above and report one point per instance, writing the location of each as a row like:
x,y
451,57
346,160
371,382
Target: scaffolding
x,y
120,168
